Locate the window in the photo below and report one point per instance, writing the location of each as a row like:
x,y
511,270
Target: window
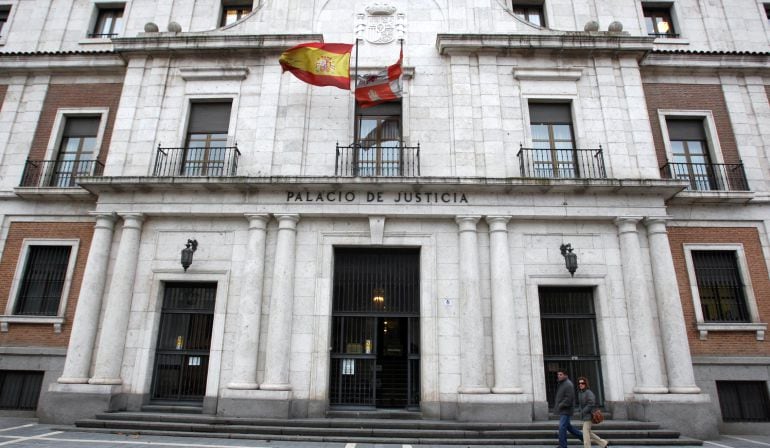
x,y
20,390
552,140
743,401
233,11
5,11
720,286
658,21
767,12
77,151
45,275
206,147
109,22
690,152
532,13
378,134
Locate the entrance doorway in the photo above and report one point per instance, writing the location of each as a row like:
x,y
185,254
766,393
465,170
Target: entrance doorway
x,y
570,342
184,341
375,358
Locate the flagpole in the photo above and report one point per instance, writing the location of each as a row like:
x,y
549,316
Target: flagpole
x,y
355,77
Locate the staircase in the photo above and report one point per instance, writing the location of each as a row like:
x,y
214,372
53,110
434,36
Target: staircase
x,y
344,429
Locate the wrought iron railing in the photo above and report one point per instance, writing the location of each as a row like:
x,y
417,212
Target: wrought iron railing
x,y
360,159
58,173
570,163
214,161
664,35
102,35
708,176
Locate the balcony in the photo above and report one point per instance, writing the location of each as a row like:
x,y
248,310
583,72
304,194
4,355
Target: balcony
x,y
215,161
359,160
570,163
58,173
708,176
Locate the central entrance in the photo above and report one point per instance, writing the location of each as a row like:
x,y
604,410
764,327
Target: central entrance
x,y
375,358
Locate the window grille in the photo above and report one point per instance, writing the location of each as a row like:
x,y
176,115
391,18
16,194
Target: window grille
x,y
43,281
720,286
743,401
19,390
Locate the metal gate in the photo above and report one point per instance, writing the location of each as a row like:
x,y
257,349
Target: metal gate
x,y
375,358
570,342
184,340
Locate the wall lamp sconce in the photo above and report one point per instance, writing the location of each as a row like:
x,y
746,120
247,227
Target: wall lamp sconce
x,y
570,258
378,297
187,253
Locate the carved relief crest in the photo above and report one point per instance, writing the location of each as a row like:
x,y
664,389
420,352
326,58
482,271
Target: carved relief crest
x,y
381,24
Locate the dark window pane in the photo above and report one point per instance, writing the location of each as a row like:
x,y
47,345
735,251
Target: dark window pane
x,y
720,286
378,132
43,281
530,12
743,401
234,11
5,11
19,390
109,22
658,21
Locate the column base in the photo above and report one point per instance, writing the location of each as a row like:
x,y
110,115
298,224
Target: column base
x,y
254,403
691,414
106,381
494,408
651,390
243,386
473,390
67,403
63,380
507,390
684,390
276,387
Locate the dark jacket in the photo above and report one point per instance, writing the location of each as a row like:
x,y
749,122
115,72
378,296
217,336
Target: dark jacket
x,y
565,397
587,402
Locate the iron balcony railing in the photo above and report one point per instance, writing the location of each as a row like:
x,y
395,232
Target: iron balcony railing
x,y
569,163
365,160
708,176
214,161
102,35
664,35
58,173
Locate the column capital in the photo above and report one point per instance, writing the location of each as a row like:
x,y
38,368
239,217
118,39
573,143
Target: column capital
x,y
498,223
467,223
656,224
104,220
132,220
257,220
287,221
627,224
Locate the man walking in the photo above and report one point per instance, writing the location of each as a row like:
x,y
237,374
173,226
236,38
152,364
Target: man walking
x,y
564,402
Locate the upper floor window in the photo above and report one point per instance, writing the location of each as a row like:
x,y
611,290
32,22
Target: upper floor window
x,y
552,140
109,21
720,286
206,148
378,134
233,11
658,20
531,12
767,12
5,11
77,151
690,152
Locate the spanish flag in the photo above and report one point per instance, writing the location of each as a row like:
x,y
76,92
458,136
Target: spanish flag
x,y
319,64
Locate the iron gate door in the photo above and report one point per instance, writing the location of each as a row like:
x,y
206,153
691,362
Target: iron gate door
x,y
570,342
375,358
184,340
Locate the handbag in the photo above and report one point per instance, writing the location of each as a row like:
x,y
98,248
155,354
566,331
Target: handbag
x,y
597,416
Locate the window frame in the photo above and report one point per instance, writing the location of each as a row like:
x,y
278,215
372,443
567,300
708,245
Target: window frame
x,y
556,163
227,5
702,325
710,128
381,163
18,276
668,7
101,10
765,399
11,6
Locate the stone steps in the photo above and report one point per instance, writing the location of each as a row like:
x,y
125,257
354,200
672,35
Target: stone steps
x,y
411,431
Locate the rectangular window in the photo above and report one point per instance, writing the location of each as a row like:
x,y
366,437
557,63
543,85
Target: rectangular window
x,y
206,148
20,390
720,286
552,140
233,11
658,21
378,137
530,12
743,401
109,22
767,12
77,151
5,11
691,155
42,284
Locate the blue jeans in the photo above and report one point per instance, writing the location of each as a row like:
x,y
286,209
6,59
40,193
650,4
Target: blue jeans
x,y
564,426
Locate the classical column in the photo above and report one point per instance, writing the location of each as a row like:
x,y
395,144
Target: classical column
x,y
281,307
503,314
112,340
473,375
250,307
81,344
676,349
649,372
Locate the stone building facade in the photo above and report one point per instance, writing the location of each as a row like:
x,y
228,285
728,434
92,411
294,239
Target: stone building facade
x,y
408,256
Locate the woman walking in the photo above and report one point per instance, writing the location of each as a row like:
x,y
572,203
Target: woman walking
x,y
587,402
